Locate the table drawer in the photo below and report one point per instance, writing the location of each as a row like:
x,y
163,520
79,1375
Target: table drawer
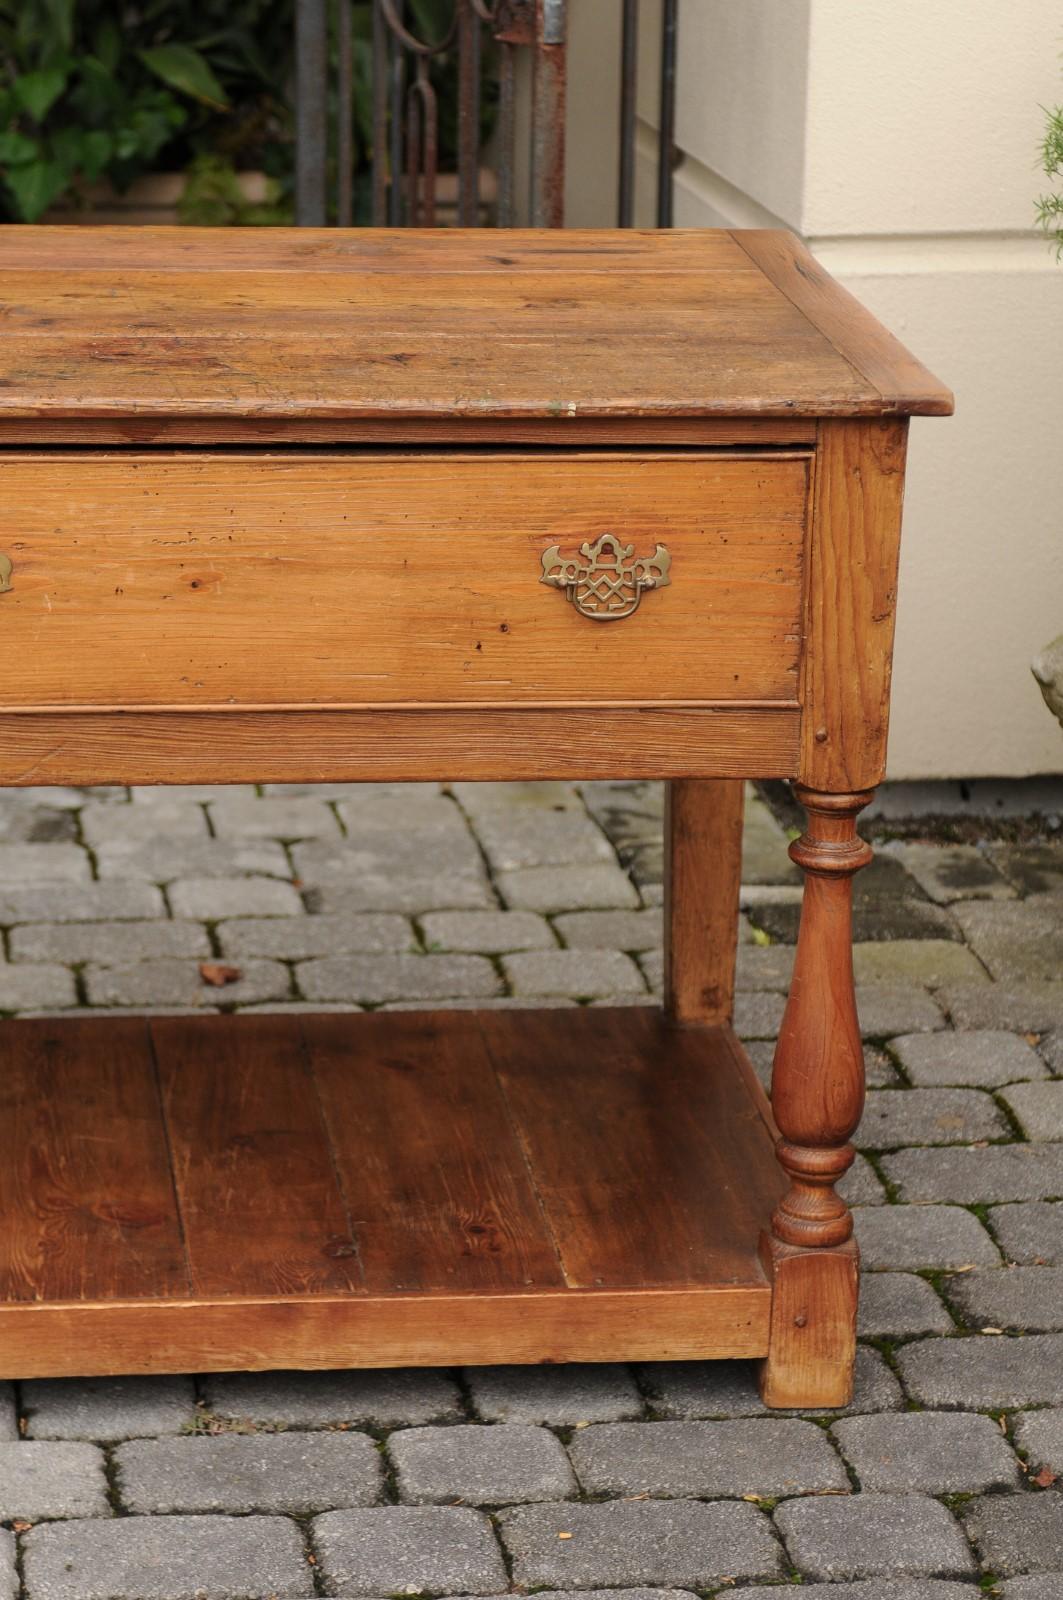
x,y
199,580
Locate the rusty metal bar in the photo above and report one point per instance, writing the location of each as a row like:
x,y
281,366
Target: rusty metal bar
x,y
311,122
666,134
344,115
507,136
468,115
422,145
397,82
629,52
380,117
548,116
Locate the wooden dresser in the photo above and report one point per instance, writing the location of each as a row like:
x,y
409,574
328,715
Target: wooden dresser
x,y
349,506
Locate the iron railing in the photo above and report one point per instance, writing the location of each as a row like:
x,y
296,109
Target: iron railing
x,y
484,44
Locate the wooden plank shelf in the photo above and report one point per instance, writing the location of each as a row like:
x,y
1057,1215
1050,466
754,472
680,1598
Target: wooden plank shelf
x,y
255,1191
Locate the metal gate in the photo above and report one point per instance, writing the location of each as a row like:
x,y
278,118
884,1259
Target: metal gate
x,y
486,49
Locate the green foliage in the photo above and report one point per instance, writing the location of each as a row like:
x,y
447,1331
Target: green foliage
x,y
97,89
1050,206
92,90
213,198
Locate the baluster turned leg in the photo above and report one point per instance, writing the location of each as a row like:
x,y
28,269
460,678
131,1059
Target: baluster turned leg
x,y
817,1099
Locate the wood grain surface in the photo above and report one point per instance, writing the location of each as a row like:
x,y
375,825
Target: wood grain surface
x,y
86,1199
489,744
852,598
398,1188
295,323
252,1163
206,580
702,877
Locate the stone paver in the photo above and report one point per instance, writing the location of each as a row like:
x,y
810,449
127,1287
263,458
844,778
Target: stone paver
x,y
103,821
36,988
1029,868
922,1450
296,938
721,1389
43,863
931,962
1024,1299
971,1177
9,1577
562,1396
1019,1007
1018,940
1037,1108
895,1117
79,902
882,1589
861,1186
381,1398
8,1415
581,974
611,930
1044,1586
407,1549
1017,1533
991,1373
487,932
1030,1234
167,1558
169,982
983,1060
1040,1435
211,899
886,1009
492,1464
593,885
372,979
952,872
162,860
898,1304
41,1480
873,1535
247,817
290,1473
107,1408
706,1459
108,943
680,1542
907,1237
528,836
758,1016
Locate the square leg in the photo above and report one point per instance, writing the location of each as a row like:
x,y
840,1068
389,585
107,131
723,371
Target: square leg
x,y
703,873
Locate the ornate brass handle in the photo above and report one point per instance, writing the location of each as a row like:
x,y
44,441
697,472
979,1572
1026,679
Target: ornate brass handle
x,y
605,581
5,574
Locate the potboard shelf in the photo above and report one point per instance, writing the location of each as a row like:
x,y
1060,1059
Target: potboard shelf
x,y
397,1189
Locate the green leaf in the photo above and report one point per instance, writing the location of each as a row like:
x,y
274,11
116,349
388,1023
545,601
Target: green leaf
x,y
96,147
37,92
35,186
183,68
16,148
79,151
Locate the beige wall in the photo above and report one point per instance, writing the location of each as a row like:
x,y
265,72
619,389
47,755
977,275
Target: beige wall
x,y
899,137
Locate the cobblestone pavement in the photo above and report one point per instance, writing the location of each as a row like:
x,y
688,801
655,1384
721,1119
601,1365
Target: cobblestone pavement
x,y
939,1482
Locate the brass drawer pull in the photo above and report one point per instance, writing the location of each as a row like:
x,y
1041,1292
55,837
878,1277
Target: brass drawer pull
x,y
606,580
5,574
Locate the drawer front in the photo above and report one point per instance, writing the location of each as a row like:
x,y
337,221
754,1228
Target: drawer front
x,y
347,579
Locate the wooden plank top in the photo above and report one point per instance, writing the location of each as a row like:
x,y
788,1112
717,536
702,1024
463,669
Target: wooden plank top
x,y
307,324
